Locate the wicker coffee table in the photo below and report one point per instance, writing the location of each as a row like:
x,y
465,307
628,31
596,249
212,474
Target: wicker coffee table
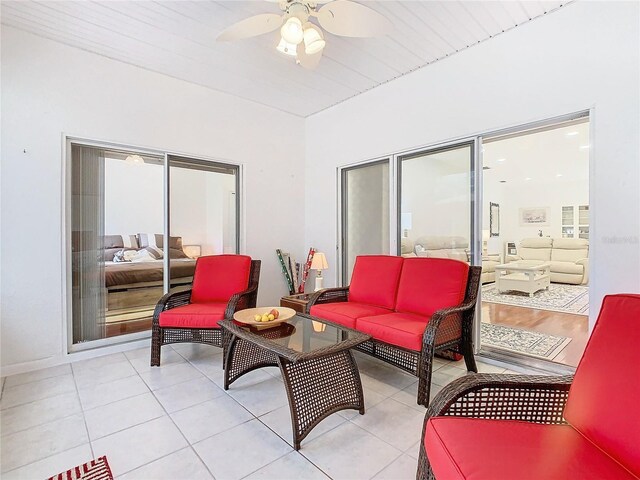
x,y
320,374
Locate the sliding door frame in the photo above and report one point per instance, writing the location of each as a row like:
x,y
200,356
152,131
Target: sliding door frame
x,y
67,141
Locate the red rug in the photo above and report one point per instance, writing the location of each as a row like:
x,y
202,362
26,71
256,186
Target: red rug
x,y
93,470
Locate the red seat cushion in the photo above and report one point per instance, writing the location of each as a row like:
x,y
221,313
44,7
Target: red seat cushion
x,y
218,277
468,448
194,315
345,313
430,284
401,329
603,401
375,280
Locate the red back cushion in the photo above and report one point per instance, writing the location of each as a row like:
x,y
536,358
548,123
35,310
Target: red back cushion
x,y
429,284
603,401
375,280
217,277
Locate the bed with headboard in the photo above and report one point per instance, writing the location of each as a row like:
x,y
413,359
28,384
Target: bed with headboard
x,y
134,270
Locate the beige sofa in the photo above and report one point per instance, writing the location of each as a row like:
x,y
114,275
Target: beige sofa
x,y
568,257
449,247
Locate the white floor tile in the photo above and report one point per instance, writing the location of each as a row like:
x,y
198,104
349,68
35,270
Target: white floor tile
x,y
142,363
386,380
36,375
279,421
394,422
259,398
36,413
195,351
29,392
28,446
446,375
139,445
409,397
97,362
187,394
168,375
116,416
488,368
349,452
258,446
414,450
183,464
96,395
404,467
50,466
89,376
292,466
371,399
209,418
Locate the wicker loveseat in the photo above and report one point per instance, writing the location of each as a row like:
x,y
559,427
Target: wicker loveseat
x,y
498,427
411,307
222,284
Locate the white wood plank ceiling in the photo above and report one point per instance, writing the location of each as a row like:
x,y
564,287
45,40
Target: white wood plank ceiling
x,y
177,38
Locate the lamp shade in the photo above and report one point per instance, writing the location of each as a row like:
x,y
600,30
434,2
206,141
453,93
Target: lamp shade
x,y
192,251
292,31
313,41
319,261
286,48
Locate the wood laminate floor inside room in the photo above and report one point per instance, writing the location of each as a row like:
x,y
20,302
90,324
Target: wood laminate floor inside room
x,y
569,325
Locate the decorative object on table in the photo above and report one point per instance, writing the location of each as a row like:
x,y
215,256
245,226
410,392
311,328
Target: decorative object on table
x,y
536,216
319,263
304,40
249,316
494,219
485,241
192,251
406,223
295,274
97,469
298,301
535,344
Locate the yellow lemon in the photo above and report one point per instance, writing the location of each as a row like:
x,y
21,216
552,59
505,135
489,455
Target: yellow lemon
x,y
271,317
257,318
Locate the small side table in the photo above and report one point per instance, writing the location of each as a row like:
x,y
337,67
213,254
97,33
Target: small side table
x,y
297,302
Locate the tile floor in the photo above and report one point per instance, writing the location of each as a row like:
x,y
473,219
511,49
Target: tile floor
x,y
176,421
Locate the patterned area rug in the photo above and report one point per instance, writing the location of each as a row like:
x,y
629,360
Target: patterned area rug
x,y
559,298
535,344
93,470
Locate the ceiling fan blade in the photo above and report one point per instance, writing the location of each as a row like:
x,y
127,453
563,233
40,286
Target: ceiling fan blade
x,y
309,62
351,19
251,27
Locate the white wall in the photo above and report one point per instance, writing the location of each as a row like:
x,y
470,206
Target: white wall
x,y
49,89
583,56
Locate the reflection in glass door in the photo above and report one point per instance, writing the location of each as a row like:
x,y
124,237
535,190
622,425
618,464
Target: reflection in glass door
x,y
365,213
203,206
436,203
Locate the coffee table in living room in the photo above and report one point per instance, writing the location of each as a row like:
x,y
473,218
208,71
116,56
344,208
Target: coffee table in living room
x,y
319,371
526,277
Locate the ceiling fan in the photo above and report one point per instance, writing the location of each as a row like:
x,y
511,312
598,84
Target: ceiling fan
x,y
304,40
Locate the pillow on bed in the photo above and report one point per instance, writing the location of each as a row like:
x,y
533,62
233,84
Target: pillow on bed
x,y
157,240
177,253
147,254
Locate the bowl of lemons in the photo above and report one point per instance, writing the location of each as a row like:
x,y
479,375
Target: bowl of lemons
x,y
264,315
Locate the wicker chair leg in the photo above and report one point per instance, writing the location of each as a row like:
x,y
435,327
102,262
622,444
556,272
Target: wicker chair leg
x,y
424,471
156,345
466,347
425,368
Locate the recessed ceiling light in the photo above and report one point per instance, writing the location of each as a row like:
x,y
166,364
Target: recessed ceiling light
x,y
501,160
558,174
527,179
571,134
584,147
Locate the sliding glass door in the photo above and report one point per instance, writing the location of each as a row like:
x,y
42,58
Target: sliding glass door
x,y
123,204
365,213
436,202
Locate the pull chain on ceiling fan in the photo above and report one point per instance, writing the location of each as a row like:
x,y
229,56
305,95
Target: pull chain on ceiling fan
x,y
304,40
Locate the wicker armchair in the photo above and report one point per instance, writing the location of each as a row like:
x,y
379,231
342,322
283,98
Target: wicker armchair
x,y
592,432
449,329
196,326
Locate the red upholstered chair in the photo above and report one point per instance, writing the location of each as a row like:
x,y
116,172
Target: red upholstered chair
x,y
411,307
222,285
525,427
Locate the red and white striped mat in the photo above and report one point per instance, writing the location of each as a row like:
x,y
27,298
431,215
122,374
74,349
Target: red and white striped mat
x,y
94,470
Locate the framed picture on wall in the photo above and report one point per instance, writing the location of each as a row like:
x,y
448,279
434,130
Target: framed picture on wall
x,y
494,219
534,216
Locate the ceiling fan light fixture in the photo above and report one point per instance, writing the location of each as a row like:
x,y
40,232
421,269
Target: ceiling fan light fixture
x,y
313,41
286,47
292,31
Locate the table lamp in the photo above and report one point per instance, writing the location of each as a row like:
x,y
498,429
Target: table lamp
x,y
319,263
192,251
